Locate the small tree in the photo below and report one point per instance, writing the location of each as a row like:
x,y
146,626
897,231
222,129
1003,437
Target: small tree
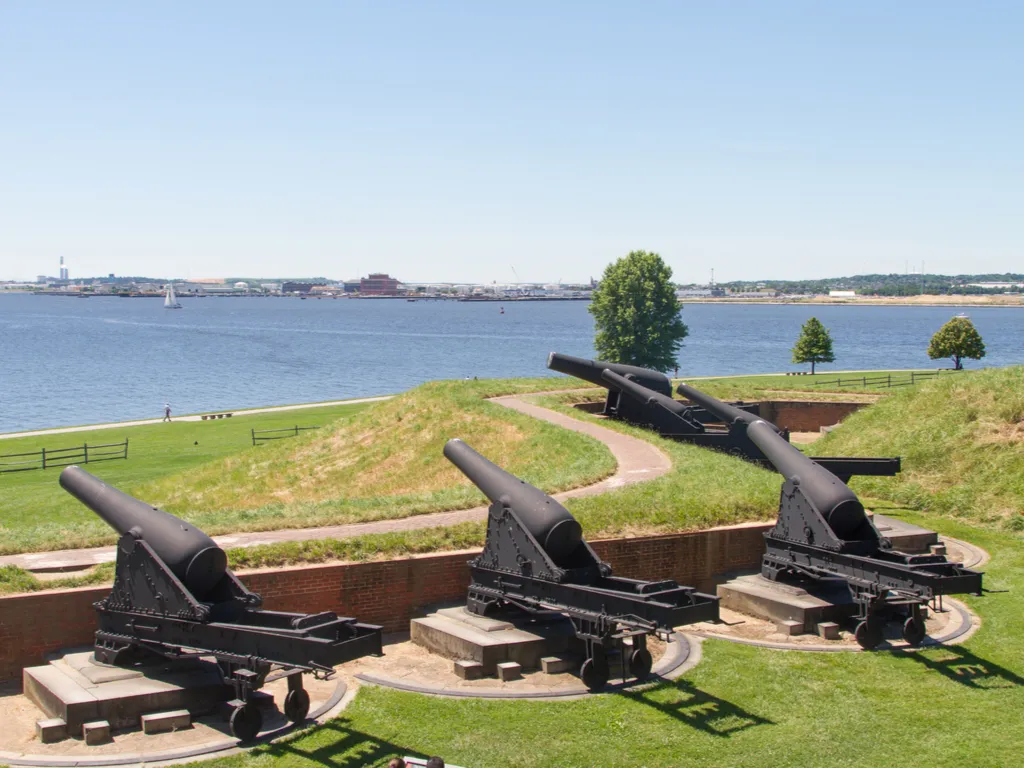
x,y
636,313
814,345
957,339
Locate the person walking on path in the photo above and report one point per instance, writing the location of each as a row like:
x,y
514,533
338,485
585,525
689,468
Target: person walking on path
x,y
167,411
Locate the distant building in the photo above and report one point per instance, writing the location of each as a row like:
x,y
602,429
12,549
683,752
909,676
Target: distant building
x,y
842,294
995,286
378,285
296,287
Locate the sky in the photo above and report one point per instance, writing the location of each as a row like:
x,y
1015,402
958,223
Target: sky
x,y
507,142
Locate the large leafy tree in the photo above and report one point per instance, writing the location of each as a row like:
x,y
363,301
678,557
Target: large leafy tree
x,y
957,339
636,313
814,345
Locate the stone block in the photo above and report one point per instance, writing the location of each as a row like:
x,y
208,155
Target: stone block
x,y
555,665
162,722
777,601
937,549
51,730
468,670
829,630
455,634
509,670
78,690
96,732
788,627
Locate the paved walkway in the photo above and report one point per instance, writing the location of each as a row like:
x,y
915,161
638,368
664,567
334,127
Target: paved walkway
x,y
637,461
194,417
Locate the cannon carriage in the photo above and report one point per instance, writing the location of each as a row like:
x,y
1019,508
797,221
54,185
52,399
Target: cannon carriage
x,y
175,597
535,559
823,533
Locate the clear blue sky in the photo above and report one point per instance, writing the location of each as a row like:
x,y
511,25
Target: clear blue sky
x,y
455,141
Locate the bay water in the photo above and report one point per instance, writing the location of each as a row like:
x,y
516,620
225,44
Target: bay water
x,y
66,361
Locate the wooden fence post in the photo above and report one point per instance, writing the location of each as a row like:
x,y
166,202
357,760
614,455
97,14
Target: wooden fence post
x,y
44,458
296,430
126,449
85,453
253,436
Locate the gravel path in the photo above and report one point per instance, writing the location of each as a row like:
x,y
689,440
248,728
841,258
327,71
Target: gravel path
x,y
637,461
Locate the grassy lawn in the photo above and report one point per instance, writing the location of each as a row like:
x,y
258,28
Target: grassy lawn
x,y
367,462
741,706
36,512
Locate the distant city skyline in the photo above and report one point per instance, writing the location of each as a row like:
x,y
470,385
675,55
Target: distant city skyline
x,y
519,143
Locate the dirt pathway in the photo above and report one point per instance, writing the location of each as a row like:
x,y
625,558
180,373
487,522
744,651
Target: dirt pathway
x,y
636,460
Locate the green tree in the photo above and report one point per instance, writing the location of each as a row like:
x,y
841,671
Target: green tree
x,y
814,345
957,339
636,313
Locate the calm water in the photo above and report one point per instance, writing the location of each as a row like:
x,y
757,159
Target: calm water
x,y
76,361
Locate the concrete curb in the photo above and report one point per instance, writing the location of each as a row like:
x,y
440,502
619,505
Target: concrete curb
x,y
682,654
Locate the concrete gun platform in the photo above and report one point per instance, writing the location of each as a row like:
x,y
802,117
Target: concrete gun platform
x,y
456,634
78,690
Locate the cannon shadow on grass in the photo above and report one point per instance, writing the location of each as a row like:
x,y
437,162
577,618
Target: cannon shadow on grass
x,y
698,709
344,747
961,666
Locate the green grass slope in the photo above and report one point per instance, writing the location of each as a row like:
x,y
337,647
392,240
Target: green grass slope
x,y
379,462
962,443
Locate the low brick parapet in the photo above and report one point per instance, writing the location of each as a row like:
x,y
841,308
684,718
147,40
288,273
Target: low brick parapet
x,y
386,592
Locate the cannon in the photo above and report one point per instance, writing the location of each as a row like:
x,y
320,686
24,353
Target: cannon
x,y
175,597
615,406
823,533
734,439
535,559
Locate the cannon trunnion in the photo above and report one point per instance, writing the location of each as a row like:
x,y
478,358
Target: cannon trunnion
x,y
520,569
174,596
823,532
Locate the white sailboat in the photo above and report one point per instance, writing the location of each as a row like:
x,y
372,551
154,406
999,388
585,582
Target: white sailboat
x,y
170,301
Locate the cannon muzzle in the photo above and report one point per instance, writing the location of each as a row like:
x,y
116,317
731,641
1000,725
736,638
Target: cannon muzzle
x,y
730,414
590,370
188,552
551,524
835,501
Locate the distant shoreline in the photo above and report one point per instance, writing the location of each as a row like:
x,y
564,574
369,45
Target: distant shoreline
x,y
925,301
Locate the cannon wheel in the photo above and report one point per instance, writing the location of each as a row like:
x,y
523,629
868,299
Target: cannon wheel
x,y
914,630
594,671
296,705
640,663
868,634
246,722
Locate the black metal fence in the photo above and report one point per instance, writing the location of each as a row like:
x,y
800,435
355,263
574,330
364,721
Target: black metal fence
x,y
262,435
45,458
885,381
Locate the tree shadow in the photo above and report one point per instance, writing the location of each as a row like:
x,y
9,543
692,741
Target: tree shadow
x,y
699,709
345,748
961,666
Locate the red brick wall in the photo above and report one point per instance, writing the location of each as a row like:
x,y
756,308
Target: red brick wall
x,y
389,593
805,416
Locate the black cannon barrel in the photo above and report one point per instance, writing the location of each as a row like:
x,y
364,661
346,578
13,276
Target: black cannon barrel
x,y
644,394
190,554
590,370
730,414
839,505
551,524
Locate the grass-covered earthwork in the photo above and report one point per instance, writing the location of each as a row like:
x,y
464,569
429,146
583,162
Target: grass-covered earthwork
x,y
367,462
